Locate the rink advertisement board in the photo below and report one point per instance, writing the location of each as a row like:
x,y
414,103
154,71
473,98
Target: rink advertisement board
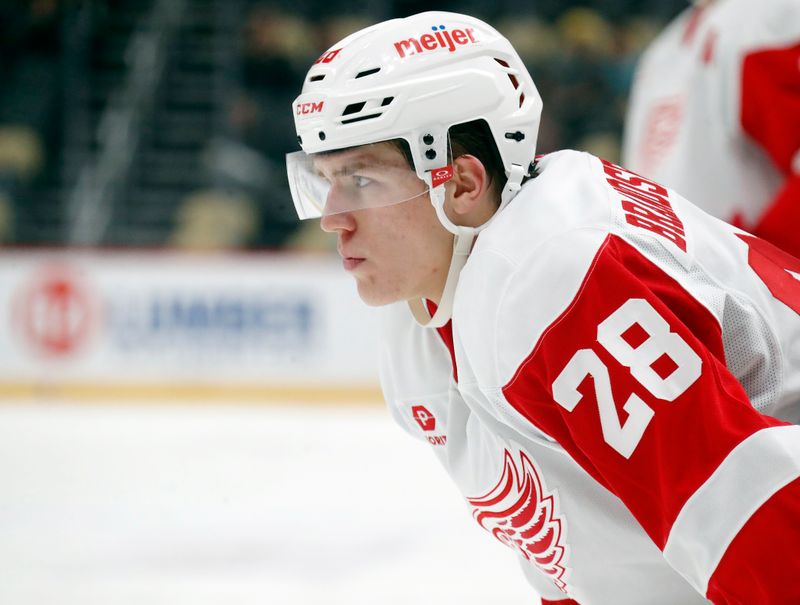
x,y
158,324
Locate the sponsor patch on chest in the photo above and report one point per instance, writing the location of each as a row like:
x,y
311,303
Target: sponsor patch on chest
x,y
427,422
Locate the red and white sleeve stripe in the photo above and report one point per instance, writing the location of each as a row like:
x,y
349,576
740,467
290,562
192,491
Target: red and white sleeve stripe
x,y
746,481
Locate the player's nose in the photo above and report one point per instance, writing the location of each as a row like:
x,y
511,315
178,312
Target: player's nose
x,y
337,221
336,215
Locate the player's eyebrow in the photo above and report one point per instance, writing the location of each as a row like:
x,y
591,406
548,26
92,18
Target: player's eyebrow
x,y
352,167
365,161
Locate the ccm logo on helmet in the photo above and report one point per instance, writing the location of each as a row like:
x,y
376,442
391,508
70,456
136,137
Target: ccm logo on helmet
x,y
304,109
441,38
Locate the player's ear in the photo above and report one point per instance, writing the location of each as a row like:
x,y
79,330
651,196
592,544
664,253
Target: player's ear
x,y
468,188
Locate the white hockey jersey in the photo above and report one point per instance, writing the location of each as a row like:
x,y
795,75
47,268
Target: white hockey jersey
x,y
615,393
714,113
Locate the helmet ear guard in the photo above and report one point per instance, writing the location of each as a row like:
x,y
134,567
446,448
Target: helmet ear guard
x,y
433,164
429,148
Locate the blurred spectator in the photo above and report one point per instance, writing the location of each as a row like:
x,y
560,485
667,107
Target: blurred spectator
x,y
6,219
583,100
540,48
277,48
329,31
21,152
536,42
604,145
277,51
310,238
631,39
29,45
215,220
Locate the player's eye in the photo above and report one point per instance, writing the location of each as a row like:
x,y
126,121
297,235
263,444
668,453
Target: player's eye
x,y
361,181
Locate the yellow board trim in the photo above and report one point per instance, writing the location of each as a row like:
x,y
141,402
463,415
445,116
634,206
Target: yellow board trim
x,y
189,392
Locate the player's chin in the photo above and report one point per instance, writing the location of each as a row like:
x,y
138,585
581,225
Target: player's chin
x,y
374,295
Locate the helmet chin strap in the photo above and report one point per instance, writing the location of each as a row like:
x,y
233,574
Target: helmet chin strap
x,y
462,246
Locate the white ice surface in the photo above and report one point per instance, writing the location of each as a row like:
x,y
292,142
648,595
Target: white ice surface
x,y
196,504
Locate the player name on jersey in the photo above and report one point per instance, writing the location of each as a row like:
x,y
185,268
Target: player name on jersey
x,y
646,204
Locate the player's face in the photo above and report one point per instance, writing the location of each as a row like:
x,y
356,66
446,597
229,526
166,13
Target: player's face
x,y
395,252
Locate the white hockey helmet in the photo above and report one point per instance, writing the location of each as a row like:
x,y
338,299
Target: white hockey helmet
x,y
412,79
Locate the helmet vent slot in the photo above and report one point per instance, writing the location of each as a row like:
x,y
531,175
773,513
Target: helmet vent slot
x,y
353,108
317,78
367,72
372,108
362,118
511,73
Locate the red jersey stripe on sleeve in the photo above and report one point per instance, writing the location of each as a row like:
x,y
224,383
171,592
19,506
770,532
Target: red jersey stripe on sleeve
x,y
757,567
644,402
757,468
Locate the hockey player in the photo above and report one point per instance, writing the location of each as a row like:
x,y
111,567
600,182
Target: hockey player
x,y
610,375
715,114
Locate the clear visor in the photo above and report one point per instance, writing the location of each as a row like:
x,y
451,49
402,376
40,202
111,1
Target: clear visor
x,y
369,176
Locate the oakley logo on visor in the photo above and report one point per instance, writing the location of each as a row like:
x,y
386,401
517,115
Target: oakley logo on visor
x,y
441,38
